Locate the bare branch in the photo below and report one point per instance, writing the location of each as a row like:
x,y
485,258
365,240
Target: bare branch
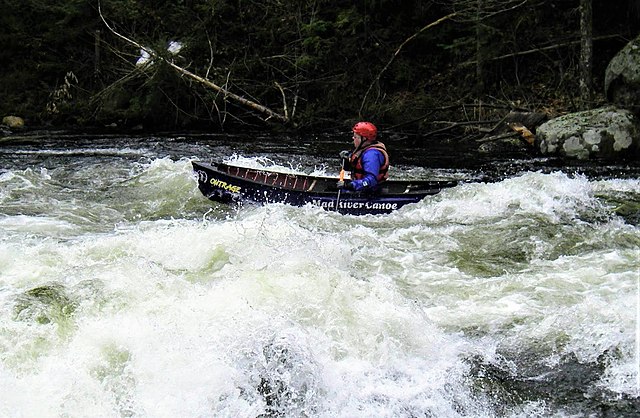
x,y
395,54
227,94
541,49
206,75
474,11
284,100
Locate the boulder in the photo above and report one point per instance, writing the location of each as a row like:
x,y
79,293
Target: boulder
x,y
622,77
13,122
607,132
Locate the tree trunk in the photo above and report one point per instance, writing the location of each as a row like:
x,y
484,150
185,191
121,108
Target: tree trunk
x,y
586,52
480,55
96,58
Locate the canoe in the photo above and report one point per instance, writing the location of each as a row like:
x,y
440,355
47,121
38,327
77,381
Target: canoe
x,y
232,184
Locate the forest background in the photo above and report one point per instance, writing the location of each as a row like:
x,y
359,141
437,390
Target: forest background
x,y
407,65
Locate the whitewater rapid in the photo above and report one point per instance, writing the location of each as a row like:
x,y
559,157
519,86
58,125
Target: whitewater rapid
x,y
124,292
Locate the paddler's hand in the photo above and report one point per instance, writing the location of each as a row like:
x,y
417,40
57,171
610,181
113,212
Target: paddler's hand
x,y
345,155
344,184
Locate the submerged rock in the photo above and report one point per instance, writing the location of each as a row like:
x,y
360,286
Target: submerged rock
x,y
44,304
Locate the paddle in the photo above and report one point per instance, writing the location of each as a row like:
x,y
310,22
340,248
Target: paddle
x,y
341,179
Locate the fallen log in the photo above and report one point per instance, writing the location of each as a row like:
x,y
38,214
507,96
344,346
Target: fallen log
x,y
204,81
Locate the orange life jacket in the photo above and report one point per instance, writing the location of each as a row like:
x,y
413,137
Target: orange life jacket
x,y
357,170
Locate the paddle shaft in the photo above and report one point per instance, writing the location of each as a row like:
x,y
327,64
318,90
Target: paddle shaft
x,y
341,179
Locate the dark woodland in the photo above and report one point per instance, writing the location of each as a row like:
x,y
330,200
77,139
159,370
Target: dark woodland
x,y
413,66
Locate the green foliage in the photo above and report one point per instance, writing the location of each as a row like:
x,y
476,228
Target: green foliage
x,y
348,21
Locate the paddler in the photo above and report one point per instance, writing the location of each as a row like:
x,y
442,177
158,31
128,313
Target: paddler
x,y
368,161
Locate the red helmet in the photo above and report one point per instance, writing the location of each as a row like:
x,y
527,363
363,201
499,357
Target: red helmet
x,y
366,129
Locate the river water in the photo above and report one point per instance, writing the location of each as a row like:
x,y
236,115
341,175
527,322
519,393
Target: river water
x,y
125,293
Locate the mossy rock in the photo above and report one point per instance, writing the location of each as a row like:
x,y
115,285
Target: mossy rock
x,y
607,132
622,77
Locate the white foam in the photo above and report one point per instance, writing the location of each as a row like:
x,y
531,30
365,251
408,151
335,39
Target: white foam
x,y
348,316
